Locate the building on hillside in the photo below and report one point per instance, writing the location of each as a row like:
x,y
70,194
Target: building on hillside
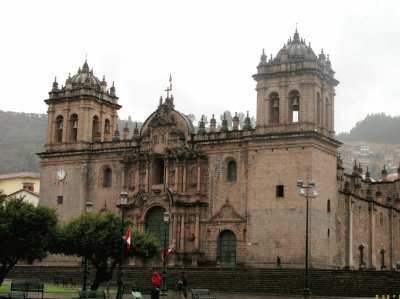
x,y
232,192
13,182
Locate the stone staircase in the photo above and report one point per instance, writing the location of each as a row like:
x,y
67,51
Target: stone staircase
x,y
237,280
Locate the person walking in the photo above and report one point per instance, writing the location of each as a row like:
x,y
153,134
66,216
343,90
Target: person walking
x,y
156,280
184,283
278,262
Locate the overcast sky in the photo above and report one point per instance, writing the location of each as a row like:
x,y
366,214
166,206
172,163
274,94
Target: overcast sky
x,y
211,48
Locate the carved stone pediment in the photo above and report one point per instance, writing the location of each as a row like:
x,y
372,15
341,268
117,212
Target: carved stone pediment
x,y
227,214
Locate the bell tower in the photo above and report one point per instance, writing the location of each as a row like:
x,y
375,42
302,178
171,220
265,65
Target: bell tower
x,y
82,111
295,90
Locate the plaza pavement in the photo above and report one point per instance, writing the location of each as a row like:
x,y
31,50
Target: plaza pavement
x,y
217,295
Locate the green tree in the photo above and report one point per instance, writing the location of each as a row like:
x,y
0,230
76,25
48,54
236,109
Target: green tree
x,y
97,237
26,232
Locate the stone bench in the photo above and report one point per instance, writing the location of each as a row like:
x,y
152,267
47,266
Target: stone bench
x,y
202,294
25,286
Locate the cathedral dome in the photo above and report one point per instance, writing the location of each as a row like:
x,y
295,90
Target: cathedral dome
x,y
295,49
85,77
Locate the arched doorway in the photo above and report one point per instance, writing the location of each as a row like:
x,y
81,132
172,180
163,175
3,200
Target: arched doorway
x,y
227,249
155,225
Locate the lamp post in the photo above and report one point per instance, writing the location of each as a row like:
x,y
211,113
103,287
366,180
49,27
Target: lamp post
x,y
89,207
123,202
307,192
164,273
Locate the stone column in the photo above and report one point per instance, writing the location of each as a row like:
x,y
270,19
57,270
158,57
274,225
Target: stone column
x,y
184,179
147,177
182,235
391,257
349,249
197,230
176,178
372,241
198,186
166,175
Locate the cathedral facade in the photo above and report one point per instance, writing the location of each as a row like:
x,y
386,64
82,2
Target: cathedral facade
x,y
232,192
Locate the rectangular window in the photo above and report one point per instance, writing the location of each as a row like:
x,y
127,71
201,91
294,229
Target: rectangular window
x,y
279,191
60,199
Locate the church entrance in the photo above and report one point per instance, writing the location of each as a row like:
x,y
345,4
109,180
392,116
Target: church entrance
x,y
155,225
227,249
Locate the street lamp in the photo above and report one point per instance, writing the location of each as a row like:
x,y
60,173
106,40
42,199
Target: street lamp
x,y
123,203
89,207
307,192
164,273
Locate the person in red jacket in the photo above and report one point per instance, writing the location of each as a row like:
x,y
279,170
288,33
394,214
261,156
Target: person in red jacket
x,y
156,279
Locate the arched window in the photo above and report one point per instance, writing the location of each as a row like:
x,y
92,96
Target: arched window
x,y
73,125
329,232
95,127
107,177
158,171
381,218
274,108
59,128
107,130
226,249
232,171
294,106
328,206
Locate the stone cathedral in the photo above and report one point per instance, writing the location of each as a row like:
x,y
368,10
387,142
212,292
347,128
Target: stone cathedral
x,y
232,192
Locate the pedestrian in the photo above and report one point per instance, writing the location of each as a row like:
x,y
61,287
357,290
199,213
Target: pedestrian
x,y
182,285
278,262
156,280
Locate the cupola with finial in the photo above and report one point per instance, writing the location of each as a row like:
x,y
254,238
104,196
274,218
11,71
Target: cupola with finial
x,y
135,135
224,125
213,124
112,90
125,134
116,135
384,174
247,123
55,85
235,122
202,127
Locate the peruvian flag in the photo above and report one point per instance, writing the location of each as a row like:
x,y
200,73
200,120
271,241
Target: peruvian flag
x,y
128,238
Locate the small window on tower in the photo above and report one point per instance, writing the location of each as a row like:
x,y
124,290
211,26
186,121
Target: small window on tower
x,y
279,191
107,177
60,199
232,171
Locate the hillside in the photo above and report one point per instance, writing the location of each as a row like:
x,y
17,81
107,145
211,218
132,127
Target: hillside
x,y
375,128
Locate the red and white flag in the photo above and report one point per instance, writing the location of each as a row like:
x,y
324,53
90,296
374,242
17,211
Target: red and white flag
x,y
128,238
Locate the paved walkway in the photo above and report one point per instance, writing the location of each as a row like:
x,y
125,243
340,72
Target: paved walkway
x,y
218,296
